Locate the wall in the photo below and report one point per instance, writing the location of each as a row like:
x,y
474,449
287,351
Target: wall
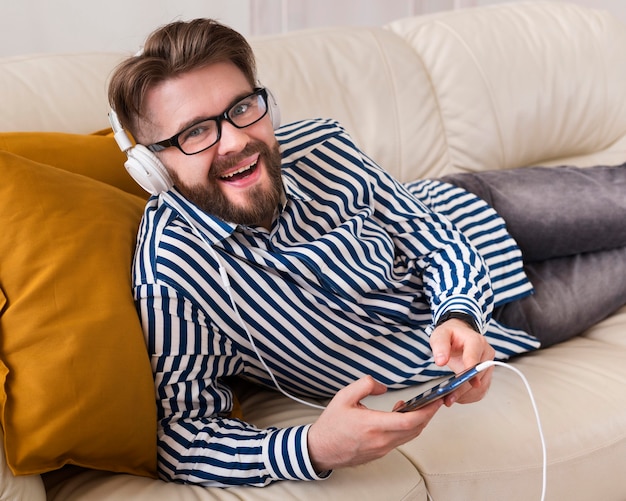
x,y
28,26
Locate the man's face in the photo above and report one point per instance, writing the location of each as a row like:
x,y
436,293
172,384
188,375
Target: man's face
x,y
238,178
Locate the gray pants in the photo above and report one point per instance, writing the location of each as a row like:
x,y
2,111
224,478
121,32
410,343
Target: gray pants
x,y
570,224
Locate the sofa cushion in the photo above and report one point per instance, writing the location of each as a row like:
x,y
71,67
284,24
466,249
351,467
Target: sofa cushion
x,y
95,155
492,449
76,380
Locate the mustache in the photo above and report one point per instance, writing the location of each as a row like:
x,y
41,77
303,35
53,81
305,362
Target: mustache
x,y
221,165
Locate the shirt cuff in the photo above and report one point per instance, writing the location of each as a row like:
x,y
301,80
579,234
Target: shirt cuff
x,y
464,305
459,315
286,454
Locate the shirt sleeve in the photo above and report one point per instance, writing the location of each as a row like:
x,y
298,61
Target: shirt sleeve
x,y
197,440
453,274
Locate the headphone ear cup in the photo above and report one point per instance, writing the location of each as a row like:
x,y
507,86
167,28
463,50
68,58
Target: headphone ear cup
x,y
273,109
147,170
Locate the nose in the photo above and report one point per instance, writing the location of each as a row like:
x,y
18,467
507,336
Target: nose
x,y
232,139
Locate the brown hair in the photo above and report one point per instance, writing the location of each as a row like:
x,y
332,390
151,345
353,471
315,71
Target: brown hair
x,y
172,50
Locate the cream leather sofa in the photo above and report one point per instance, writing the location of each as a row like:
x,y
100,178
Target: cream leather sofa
x,y
486,88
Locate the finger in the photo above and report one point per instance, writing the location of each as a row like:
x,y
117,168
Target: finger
x,y
399,404
457,394
482,377
358,390
422,416
472,391
440,344
474,350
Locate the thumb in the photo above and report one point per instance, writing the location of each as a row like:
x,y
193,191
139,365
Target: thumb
x,y
361,388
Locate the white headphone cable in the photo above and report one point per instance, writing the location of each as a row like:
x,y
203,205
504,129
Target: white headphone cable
x,y
544,454
233,303
228,287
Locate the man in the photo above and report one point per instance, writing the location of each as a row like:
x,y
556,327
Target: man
x,y
297,264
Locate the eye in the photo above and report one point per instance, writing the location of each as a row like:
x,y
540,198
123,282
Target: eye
x,y
198,132
243,107
240,109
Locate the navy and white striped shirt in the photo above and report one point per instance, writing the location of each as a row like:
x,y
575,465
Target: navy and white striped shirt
x,y
355,271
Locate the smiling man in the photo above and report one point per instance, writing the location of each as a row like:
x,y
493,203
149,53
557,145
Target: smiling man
x,y
286,256
237,180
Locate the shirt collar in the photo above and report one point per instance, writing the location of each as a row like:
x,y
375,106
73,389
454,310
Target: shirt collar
x,y
210,226
292,188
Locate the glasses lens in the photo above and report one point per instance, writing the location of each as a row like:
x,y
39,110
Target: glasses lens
x,y
205,134
249,110
198,137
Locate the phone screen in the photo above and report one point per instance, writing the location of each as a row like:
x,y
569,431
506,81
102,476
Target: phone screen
x,y
440,390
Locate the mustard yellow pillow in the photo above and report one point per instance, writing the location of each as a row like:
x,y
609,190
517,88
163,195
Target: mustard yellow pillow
x,y
94,155
76,381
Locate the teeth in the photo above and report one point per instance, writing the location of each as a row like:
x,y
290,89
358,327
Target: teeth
x,y
243,169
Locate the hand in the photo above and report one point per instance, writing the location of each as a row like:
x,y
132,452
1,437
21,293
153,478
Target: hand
x,y
347,433
457,345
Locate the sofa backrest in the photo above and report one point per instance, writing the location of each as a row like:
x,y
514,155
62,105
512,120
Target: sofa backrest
x,y
522,83
483,88
55,92
475,89
369,79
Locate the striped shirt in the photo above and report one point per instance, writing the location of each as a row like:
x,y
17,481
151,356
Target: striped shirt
x,y
356,270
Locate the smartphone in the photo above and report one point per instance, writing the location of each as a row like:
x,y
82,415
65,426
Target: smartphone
x,y
440,390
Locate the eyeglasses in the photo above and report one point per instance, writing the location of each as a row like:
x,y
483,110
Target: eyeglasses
x,y
205,133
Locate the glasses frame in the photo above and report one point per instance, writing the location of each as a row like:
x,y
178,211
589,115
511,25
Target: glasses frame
x,y
173,141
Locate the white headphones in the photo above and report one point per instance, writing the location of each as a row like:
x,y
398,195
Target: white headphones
x,y
144,166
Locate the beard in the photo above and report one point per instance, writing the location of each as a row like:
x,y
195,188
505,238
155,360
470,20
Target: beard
x,y
261,203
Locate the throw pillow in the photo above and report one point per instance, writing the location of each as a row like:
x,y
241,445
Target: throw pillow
x,y
76,381
94,155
